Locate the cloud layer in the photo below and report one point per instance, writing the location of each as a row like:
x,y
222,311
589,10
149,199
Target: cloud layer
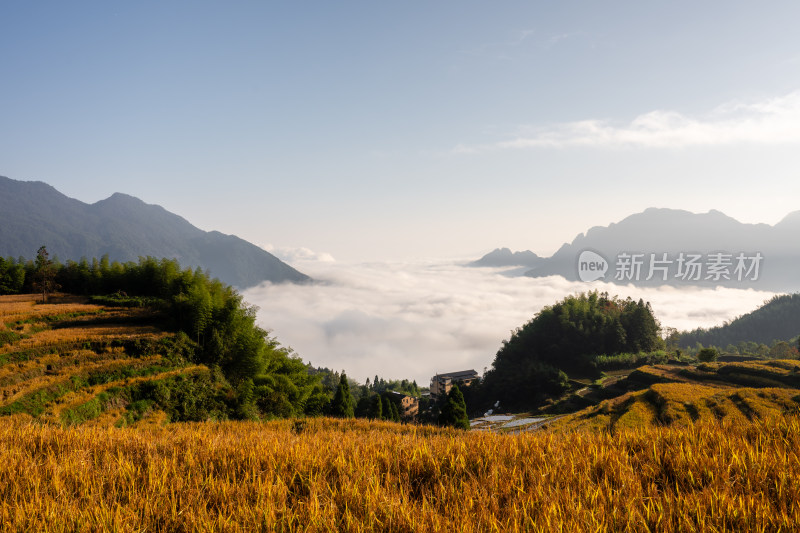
x,y
772,121
411,320
293,255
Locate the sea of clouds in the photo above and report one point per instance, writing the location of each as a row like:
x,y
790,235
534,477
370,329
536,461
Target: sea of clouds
x,y
413,319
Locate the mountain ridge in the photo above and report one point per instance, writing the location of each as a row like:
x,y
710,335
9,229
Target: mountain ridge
x,y
501,257
675,231
125,228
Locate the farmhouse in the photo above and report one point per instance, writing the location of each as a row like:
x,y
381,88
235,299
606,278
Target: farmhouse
x,y
409,406
442,383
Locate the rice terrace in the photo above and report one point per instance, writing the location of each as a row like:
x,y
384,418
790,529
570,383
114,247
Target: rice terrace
x,y
81,450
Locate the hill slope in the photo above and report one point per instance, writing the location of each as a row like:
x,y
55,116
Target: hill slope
x,y
71,361
777,319
664,395
126,228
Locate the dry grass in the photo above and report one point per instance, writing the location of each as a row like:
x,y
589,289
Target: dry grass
x,y
52,363
325,475
14,392
26,306
683,404
79,334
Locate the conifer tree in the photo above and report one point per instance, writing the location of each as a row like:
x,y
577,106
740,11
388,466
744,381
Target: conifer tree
x,y
342,404
44,279
395,411
454,411
387,408
376,408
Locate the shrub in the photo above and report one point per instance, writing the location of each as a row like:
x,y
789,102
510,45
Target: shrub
x,y
707,355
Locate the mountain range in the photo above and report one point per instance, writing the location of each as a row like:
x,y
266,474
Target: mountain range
x,y
502,257
33,214
677,247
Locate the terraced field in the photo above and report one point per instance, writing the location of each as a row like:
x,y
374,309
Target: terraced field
x,y
71,361
681,395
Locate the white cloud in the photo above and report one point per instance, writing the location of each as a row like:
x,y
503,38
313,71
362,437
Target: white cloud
x,y
410,320
293,255
772,121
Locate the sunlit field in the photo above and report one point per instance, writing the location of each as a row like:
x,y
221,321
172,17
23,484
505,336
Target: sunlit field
x,y
329,475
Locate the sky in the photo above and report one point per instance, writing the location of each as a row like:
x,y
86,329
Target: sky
x,y
396,131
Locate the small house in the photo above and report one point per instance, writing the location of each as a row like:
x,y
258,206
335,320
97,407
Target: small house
x,y
442,383
408,405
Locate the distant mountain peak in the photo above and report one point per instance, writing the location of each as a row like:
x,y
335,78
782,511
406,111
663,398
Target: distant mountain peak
x,y
658,231
501,257
122,197
126,228
792,219
120,200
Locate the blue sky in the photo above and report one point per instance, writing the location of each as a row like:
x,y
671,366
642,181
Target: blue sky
x,y
378,130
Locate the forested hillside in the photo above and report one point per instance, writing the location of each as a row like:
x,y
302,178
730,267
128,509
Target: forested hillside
x,y
777,320
150,317
566,340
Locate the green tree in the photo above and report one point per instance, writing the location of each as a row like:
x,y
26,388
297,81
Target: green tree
x,y
12,276
342,404
386,408
44,278
245,400
454,411
200,307
390,411
363,407
641,327
707,355
376,408
317,402
783,350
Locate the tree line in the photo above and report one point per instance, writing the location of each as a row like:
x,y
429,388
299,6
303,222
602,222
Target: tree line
x,y
777,320
451,411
